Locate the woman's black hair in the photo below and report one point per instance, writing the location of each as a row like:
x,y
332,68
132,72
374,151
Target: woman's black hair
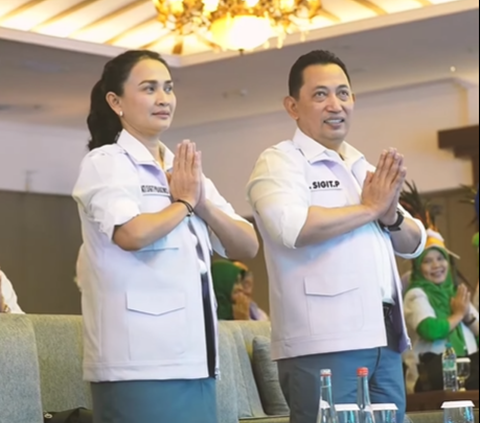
x,y
103,123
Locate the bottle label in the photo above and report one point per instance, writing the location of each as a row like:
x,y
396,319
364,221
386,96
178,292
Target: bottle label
x,y
449,365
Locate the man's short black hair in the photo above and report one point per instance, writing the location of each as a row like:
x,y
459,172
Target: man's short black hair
x,y
315,57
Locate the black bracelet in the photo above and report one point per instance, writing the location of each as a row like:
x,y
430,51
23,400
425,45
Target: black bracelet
x,y
191,210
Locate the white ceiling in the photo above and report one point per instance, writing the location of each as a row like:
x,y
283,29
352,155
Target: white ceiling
x,y
46,85
133,23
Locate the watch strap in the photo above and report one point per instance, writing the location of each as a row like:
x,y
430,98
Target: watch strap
x,y
397,226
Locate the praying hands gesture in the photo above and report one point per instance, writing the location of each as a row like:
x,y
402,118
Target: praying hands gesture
x,y
186,178
381,191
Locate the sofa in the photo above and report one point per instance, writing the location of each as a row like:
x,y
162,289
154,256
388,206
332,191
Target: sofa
x,y
41,369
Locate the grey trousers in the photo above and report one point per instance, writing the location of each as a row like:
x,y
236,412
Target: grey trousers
x,y
300,378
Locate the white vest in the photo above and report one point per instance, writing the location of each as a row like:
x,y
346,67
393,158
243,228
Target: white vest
x,y
326,297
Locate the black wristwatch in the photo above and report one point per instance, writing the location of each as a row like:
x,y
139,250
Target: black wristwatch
x,y
470,322
397,226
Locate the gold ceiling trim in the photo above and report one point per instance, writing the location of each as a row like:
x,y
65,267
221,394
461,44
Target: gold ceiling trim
x,y
329,15
20,9
372,6
59,16
151,45
113,15
425,2
138,27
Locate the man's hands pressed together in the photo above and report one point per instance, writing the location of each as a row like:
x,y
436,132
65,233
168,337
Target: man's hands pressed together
x,y
382,188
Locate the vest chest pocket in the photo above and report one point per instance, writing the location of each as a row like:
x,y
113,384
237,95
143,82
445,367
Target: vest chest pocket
x,y
161,261
155,202
329,198
169,242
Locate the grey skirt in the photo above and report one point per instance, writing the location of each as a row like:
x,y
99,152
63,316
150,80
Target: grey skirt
x,y
172,401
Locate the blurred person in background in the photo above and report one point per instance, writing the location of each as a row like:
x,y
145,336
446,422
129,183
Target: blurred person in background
x,y
8,297
248,282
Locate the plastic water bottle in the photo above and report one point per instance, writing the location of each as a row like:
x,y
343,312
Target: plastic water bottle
x,y
363,397
449,366
327,412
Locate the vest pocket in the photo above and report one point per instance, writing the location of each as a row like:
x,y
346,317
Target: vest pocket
x,y
329,198
334,304
157,325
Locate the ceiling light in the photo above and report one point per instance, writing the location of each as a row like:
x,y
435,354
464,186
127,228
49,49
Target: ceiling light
x,y
237,24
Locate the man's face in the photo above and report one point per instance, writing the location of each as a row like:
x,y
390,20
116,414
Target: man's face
x,y
325,104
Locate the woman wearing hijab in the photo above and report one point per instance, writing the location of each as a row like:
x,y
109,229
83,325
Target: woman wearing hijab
x,y
233,304
248,283
437,312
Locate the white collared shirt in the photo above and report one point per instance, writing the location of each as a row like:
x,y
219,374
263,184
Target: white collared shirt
x,y
287,180
9,295
143,310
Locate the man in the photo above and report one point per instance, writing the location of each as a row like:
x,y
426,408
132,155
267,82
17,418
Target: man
x,y
8,298
331,225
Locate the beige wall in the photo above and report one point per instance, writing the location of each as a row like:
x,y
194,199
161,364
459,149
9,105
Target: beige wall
x,y
39,242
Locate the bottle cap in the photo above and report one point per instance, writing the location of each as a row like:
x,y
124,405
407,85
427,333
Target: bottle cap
x,y
325,372
362,372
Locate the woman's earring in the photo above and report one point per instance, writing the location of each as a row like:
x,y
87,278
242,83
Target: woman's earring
x,y
121,114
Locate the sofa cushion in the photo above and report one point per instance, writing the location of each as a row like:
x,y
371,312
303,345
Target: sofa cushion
x,y
227,396
20,400
241,364
60,351
266,375
250,330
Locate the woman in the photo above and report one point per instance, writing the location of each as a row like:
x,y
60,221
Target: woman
x,y
233,304
150,333
437,312
248,283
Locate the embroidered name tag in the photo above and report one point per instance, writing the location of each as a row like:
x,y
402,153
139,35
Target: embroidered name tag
x,y
325,185
154,190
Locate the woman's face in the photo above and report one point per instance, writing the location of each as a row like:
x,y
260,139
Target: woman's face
x,y
248,284
237,293
435,267
148,101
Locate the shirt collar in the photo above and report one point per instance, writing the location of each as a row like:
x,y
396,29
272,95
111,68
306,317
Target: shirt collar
x,y
140,153
314,151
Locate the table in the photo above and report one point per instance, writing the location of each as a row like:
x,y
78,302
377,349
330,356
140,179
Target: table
x,y
429,401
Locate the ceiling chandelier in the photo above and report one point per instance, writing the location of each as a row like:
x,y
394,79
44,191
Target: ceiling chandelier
x,y
236,24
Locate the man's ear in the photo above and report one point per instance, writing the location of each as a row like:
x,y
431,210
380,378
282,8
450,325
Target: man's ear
x,y
291,107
